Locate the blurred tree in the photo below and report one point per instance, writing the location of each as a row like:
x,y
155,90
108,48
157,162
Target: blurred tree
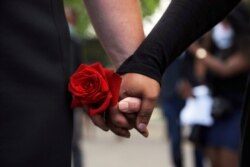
x,y
148,8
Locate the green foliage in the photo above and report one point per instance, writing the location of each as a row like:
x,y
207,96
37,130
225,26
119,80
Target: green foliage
x,y
148,7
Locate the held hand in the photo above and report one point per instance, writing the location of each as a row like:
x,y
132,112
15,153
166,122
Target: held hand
x,y
119,123
145,88
99,121
136,112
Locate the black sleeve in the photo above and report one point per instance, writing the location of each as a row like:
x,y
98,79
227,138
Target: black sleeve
x,y
182,23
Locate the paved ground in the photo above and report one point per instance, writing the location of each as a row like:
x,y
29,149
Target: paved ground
x,y
102,149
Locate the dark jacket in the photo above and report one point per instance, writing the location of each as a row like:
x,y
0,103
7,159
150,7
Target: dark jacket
x,y
35,117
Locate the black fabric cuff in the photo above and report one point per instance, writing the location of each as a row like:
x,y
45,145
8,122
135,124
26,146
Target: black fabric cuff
x,y
134,67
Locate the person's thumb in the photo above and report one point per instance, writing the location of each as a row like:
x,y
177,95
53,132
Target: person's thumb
x,y
129,105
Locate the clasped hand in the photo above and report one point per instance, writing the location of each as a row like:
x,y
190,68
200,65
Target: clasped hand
x,y
138,95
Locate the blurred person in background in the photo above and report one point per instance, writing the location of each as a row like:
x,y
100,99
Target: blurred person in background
x,y
195,115
171,105
71,17
227,68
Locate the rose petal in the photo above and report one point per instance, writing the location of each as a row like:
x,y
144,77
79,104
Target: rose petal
x,y
91,85
76,102
93,110
98,67
80,68
86,83
114,81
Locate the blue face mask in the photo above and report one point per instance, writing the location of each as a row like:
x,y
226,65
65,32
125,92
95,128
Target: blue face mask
x,y
223,36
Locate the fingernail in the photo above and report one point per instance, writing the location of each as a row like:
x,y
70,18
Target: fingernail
x,y
123,106
105,129
145,134
126,134
142,127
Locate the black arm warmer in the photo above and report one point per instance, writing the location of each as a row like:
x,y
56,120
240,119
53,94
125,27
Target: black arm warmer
x,y
182,23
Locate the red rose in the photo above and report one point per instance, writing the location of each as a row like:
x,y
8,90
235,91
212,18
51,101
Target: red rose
x,y
95,87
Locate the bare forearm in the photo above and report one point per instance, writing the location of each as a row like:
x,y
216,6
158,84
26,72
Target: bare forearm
x,y
118,24
235,64
216,65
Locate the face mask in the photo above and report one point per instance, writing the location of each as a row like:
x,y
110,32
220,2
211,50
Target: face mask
x,y
222,36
